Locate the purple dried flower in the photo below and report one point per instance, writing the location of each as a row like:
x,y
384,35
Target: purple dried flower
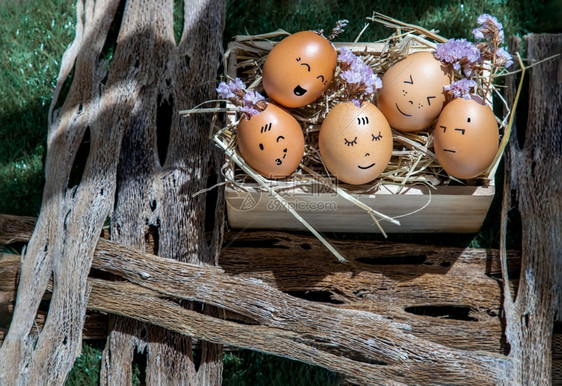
x,y
236,85
347,58
461,88
351,76
249,102
490,28
249,110
460,53
503,58
373,84
489,20
224,91
360,81
338,29
252,98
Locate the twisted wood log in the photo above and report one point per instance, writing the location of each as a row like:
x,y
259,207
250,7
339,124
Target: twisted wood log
x,y
533,177
165,160
73,210
122,91
360,338
382,279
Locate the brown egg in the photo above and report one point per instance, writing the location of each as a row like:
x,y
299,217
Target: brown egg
x,y
271,142
355,142
466,138
412,96
299,69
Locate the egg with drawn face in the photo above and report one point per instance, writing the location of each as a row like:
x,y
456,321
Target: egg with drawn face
x,y
466,138
355,142
271,142
299,69
412,95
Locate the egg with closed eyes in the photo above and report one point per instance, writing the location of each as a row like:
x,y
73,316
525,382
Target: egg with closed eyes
x,y
412,95
299,69
355,142
271,142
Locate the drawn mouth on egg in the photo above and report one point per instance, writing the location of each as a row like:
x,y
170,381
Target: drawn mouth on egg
x,y
450,151
299,91
279,161
366,167
402,112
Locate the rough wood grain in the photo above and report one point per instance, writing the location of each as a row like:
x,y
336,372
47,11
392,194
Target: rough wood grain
x,y
132,85
73,210
533,178
277,260
165,159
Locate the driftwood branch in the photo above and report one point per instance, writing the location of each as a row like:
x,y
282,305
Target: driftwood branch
x,y
117,148
74,208
377,344
533,185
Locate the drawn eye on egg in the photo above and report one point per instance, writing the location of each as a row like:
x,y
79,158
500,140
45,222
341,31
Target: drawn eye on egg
x,y
350,143
376,138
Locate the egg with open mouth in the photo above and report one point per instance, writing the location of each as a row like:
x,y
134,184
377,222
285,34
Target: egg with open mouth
x,y
355,142
271,142
299,69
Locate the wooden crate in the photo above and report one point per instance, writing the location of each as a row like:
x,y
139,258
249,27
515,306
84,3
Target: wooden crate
x,y
452,209
419,209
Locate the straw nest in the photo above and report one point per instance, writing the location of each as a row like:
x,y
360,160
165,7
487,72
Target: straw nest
x,y
413,160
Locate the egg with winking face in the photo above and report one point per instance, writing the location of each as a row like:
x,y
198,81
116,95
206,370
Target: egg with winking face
x,y
412,95
271,142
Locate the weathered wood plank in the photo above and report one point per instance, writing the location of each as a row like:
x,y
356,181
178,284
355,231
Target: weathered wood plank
x,y
455,285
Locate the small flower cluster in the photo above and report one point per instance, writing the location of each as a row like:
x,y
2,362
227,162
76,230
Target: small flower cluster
x,y
249,102
461,88
337,30
360,81
492,31
459,53
469,57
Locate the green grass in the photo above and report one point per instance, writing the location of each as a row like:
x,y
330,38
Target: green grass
x,y
34,35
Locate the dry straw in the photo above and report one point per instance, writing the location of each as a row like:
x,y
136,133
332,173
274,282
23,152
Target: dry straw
x,y
413,161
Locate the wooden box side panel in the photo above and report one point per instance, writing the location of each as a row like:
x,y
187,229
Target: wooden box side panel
x,y
447,209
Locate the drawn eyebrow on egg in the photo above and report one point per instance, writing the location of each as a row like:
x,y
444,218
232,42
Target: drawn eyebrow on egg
x,y
428,101
411,80
265,128
362,120
320,76
304,64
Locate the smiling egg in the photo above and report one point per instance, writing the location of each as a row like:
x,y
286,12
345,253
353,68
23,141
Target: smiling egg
x,y
271,142
355,142
466,138
299,69
412,96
